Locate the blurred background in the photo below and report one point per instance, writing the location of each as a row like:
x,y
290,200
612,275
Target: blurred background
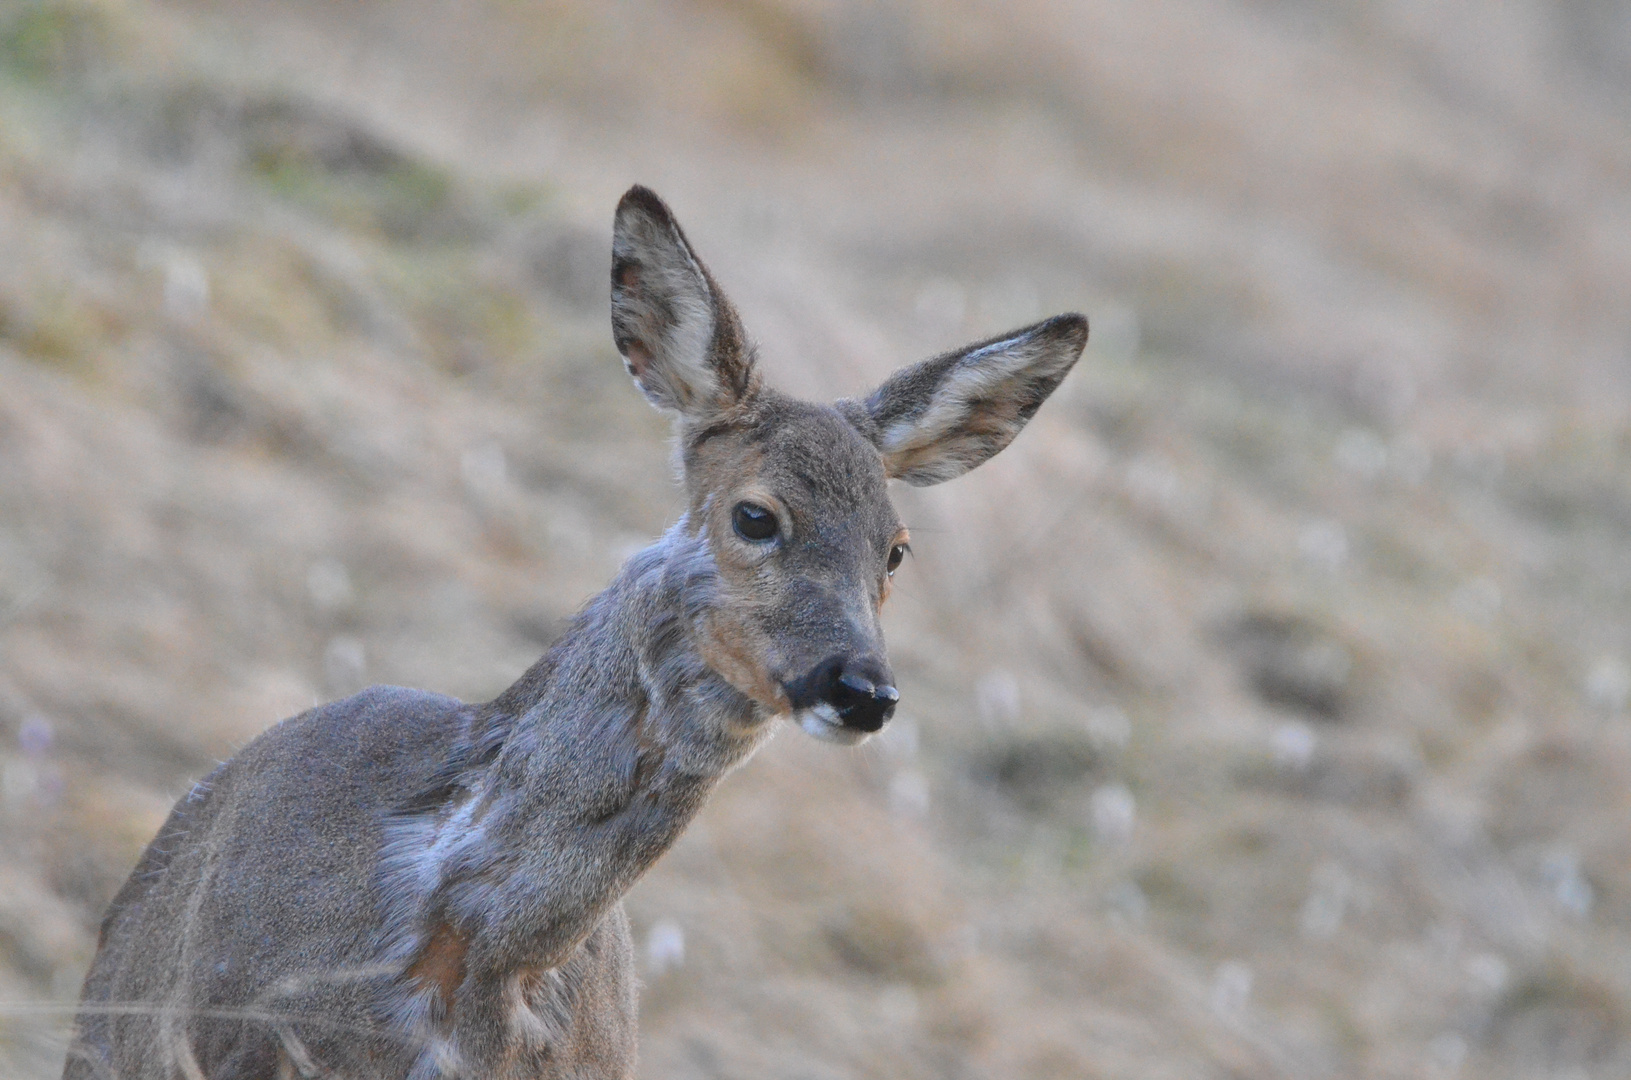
x,y
1265,705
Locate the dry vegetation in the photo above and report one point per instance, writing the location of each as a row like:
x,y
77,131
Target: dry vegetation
x,y
1265,706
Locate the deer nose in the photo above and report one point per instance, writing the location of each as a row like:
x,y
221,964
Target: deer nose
x,y
857,693
863,696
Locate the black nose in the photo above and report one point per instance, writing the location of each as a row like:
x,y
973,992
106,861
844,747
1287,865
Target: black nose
x,y
860,691
863,703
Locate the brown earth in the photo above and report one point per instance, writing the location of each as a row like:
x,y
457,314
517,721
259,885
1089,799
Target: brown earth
x,y
1265,706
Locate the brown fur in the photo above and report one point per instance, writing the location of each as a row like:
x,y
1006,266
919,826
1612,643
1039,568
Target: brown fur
x,y
440,966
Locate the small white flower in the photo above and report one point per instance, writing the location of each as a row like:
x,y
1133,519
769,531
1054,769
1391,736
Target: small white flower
x,y
665,947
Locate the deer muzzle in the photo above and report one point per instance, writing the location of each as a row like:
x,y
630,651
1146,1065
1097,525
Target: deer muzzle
x,y
844,699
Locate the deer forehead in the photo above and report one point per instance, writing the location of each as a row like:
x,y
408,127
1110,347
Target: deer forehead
x,y
803,456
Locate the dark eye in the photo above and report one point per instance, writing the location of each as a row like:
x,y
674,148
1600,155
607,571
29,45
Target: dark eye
x,y
896,554
753,522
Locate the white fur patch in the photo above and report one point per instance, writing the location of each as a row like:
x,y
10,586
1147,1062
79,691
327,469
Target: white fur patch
x,y
539,1005
976,375
679,375
821,721
417,847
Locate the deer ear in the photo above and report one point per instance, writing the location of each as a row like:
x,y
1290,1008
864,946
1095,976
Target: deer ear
x,y
680,338
938,419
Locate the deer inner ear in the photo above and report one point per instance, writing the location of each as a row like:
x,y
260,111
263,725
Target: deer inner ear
x,y
636,359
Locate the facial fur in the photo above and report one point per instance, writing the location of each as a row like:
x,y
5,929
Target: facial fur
x,y
784,604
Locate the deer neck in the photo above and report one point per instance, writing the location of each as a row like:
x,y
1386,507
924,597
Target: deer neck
x,y
630,673
605,750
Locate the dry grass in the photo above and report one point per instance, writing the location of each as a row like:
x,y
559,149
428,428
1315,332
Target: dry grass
x,y
1266,704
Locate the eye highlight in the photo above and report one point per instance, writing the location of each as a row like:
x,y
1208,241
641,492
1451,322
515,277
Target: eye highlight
x,y
754,523
896,554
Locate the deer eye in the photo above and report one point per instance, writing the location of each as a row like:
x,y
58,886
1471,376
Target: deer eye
x,y
896,554
754,522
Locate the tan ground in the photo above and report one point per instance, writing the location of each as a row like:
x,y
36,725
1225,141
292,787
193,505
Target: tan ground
x,y
1265,706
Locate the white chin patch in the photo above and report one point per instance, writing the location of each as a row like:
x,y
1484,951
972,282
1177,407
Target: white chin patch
x,y
822,722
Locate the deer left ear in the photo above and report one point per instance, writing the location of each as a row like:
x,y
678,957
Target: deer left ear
x,y
680,338
938,419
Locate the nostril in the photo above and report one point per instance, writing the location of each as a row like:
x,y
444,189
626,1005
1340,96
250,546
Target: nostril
x,y
858,685
886,693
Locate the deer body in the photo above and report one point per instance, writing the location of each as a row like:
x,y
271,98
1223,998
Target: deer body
x,y
402,885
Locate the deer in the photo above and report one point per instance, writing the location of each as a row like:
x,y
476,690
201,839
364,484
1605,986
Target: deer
x,y
401,885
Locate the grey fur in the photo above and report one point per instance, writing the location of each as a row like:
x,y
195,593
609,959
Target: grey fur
x,y
403,885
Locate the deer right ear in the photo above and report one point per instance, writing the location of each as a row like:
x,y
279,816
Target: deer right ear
x,y
680,338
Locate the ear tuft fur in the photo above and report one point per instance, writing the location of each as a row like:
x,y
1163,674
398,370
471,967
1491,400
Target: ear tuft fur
x,y
940,418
